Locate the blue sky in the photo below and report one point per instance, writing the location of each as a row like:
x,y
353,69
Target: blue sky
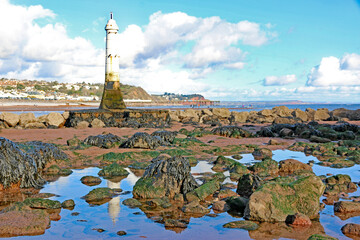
x,y
226,50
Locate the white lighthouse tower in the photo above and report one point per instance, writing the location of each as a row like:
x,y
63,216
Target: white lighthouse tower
x,y
112,96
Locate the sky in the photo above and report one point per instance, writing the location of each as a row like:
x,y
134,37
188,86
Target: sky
x,y
232,50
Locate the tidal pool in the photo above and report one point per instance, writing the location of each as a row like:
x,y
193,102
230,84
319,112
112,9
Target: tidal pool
x,y
113,216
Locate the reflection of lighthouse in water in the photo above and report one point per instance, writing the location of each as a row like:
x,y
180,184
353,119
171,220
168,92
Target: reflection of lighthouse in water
x,y
114,204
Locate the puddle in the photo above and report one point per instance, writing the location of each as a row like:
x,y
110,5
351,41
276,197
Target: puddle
x,y
113,216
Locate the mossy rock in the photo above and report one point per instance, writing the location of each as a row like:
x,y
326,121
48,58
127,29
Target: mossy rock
x,y
262,153
237,156
247,225
193,161
90,180
144,188
113,170
338,179
237,170
321,237
204,190
223,163
338,163
68,203
56,170
177,152
99,194
132,203
275,200
265,168
42,203
159,203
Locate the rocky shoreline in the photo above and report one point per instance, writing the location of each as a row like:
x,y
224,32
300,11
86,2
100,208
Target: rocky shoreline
x,y
285,194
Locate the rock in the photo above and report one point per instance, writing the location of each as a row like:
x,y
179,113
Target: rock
x,y
174,223
225,193
291,166
274,142
231,131
237,204
281,111
82,125
165,136
113,170
25,118
298,219
41,203
132,203
247,184
54,119
165,177
121,233
266,132
73,142
221,112
104,141
277,199
34,125
97,123
142,140
317,139
284,120
20,220
66,115
203,191
321,237
68,203
174,116
99,194
347,207
297,113
285,132
11,119
56,170
90,180
262,153
351,229
247,225
240,117
321,114
17,168
220,206
195,208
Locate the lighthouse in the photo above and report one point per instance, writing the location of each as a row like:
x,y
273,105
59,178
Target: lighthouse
x,y
112,97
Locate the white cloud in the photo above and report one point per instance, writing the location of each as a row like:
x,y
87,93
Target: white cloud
x,y
333,71
279,80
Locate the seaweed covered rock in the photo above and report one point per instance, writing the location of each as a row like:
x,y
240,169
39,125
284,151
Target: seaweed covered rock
x,y
321,237
231,131
68,203
20,220
113,170
339,183
104,141
166,137
277,199
43,153
17,168
132,203
205,190
165,177
142,140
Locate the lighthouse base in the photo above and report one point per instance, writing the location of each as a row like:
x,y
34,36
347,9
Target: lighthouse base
x,y
112,99
135,118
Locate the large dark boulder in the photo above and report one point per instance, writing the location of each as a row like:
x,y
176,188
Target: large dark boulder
x,y
166,137
16,167
142,140
165,177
